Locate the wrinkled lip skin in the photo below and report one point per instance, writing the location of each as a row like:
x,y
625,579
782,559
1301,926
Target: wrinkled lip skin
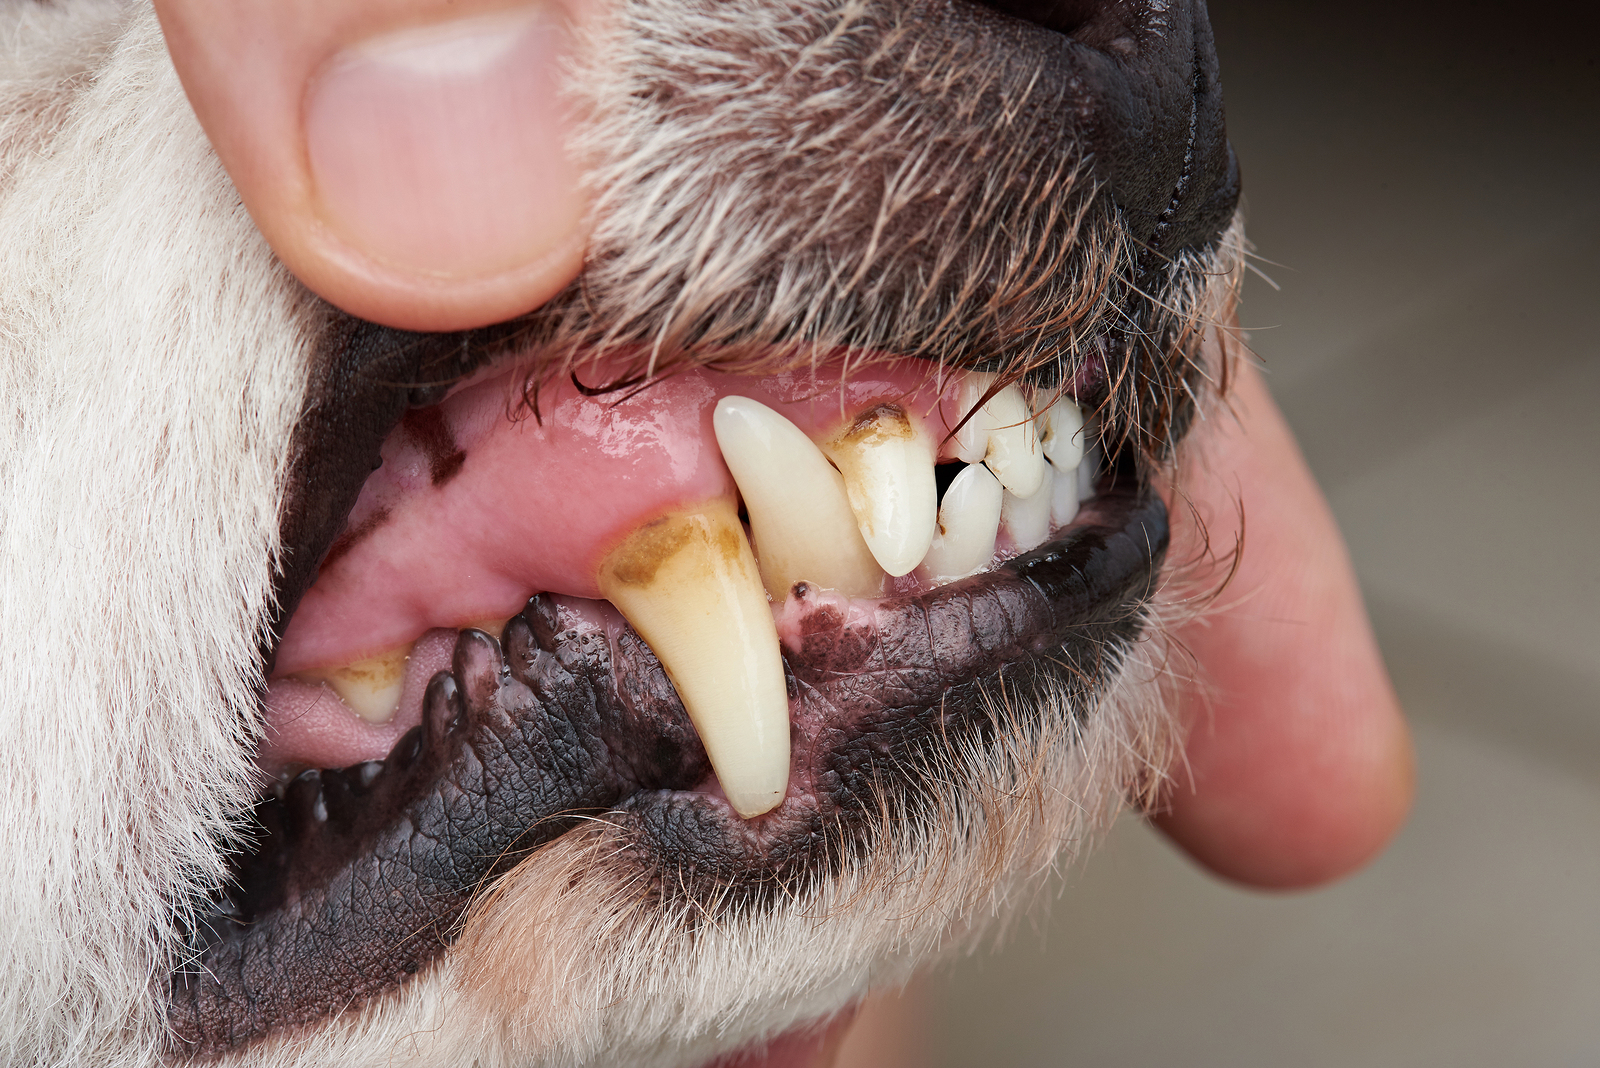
x,y
362,877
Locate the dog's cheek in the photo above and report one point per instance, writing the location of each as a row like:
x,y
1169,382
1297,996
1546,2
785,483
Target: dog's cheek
x,y
153,359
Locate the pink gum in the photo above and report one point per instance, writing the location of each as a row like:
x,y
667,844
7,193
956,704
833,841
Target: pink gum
x,y
537,504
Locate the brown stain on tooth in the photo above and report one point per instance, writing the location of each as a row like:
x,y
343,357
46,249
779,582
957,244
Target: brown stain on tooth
x,y
880,423
637,560
641,555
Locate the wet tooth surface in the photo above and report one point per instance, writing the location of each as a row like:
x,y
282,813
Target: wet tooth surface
x,y
1061,434
1088,472
887,460
800,515
688,583
969,519
370,687
1064,496
1001,434
1027,519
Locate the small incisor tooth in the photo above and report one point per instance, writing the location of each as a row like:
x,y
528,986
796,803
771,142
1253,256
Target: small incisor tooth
x,y
1061,434
887,459
969,519
688,583
800,516
1001,435
1027,519
370,687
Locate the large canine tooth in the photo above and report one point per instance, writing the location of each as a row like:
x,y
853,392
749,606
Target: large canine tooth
x,y
1001,435
1061,434
1027,519
969,519
886,459
370,687
800,516
689,585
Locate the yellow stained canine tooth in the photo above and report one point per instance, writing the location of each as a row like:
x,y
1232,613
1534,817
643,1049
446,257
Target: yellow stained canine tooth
x,y
887,463
800,517
371,687
688,583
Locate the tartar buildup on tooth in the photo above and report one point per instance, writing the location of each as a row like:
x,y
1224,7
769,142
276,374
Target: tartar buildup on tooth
x,y
837,481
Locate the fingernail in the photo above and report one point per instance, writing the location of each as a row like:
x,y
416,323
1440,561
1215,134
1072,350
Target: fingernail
x,y
441,150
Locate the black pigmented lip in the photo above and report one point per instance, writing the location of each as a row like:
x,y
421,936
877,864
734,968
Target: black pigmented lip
x,y
365,873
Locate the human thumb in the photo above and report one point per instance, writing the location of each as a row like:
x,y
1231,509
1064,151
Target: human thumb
x,y
407,160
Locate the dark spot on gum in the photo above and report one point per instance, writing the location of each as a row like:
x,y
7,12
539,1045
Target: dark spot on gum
x,y
428,429
353,535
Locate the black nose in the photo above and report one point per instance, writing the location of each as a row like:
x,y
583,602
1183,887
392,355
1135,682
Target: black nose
x,y
1148,109
1063,16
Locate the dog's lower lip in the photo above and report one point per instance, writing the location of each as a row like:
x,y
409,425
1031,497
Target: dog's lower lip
x,y
568,727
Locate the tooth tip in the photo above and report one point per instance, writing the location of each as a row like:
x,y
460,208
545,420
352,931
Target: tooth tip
x,y
750,804
896,559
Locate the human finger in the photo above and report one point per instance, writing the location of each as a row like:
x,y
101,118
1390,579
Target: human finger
x,y
408,160
1298,764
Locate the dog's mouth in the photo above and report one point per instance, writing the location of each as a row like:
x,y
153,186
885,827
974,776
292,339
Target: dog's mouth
x,y
742,587
770,605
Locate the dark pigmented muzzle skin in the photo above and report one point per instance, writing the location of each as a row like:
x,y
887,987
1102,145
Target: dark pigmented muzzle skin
x,y
1149,110
367,872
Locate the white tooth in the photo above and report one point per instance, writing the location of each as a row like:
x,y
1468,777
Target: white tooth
x,y
969,519
1064,497
1088,472
494,627
371,687
1001,435
1027,519
688,583
886,459
1061,433
800,515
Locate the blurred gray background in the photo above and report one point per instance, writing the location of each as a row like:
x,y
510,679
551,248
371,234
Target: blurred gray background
x,y
1425,182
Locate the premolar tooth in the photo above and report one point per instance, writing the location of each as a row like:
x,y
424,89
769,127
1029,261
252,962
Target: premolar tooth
x,y
688,583
800,514
1027,519
887,463
370,687
969,519
1061,434
1001,435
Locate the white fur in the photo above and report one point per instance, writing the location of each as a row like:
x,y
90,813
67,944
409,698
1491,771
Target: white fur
x,y
153,361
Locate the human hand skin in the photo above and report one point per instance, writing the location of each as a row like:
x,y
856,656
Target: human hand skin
x,y
406,159
1298,765
332,119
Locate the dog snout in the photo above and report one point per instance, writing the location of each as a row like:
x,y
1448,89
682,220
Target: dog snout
x,y
1149,111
